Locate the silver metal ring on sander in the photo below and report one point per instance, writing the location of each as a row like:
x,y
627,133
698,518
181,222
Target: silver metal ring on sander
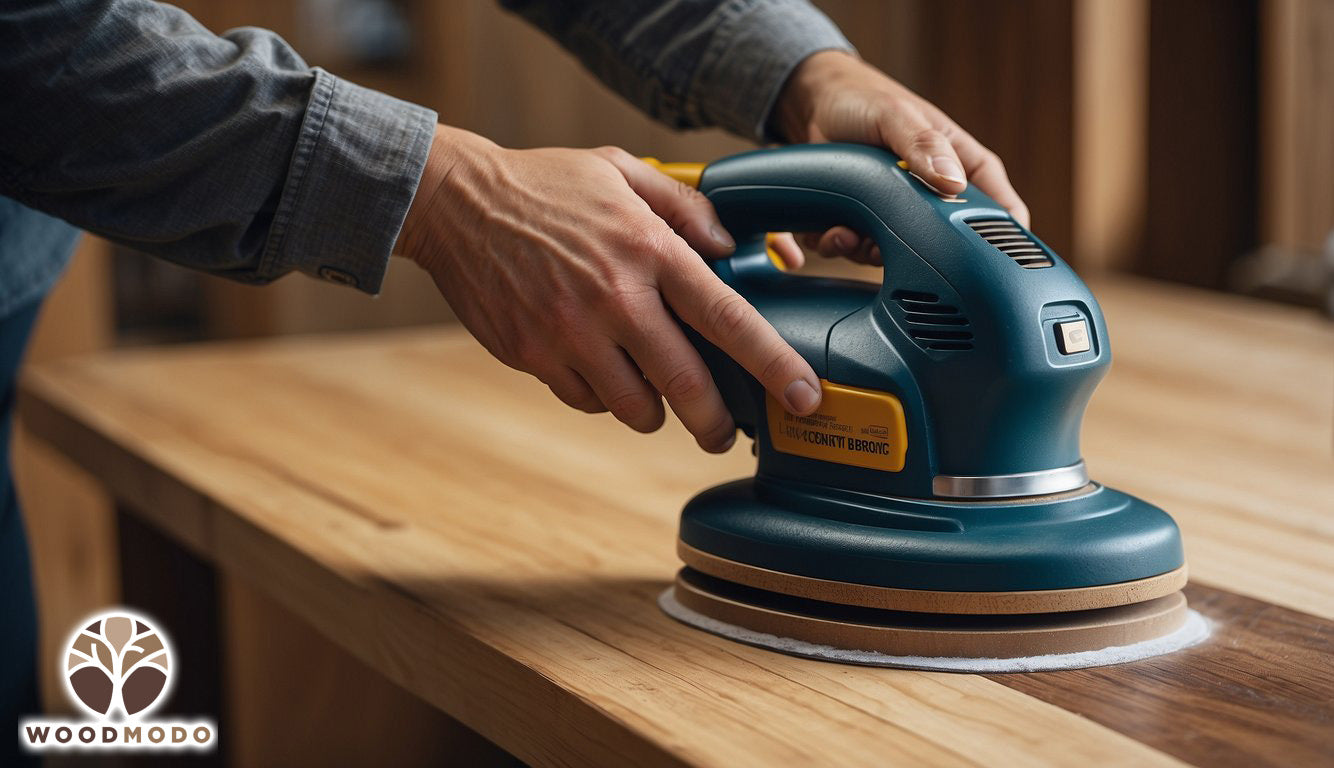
x,y
1038,483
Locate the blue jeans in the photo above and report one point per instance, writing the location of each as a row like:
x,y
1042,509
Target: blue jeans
x,y
18,612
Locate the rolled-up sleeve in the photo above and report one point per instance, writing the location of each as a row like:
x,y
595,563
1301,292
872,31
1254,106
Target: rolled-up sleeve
x,y
225,153
354,172
691,63
750,56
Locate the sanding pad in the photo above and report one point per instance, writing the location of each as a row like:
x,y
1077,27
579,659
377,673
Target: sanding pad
x,y
968,642
932,601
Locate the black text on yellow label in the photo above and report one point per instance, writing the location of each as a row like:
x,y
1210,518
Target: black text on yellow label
x,y
860,427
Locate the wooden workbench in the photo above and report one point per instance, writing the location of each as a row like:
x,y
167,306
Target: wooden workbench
x,y
498,555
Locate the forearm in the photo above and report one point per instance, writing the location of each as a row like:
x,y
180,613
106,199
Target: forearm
x,y
691,63
228,154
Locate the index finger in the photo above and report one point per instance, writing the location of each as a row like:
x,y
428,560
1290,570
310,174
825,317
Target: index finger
x,y
727,320
988,173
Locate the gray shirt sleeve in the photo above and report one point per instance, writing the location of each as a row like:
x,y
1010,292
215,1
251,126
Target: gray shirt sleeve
x,y
223,153
690,63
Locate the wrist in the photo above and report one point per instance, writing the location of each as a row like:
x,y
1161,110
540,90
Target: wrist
x,y
419,237
794,111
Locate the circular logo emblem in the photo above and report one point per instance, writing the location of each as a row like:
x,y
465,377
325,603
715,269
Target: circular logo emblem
x,y
118,663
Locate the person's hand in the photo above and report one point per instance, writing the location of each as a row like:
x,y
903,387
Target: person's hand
x,y
569,264
835,96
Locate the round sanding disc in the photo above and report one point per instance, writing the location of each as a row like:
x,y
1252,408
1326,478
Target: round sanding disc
x,y
932,601
859,635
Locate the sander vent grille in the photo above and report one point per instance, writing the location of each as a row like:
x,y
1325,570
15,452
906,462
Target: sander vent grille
x,y
1008,238
931,324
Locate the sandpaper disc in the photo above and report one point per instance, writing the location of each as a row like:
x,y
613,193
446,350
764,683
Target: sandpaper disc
x,y
930,601
920,635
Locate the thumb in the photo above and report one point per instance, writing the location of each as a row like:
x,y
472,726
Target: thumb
x,y
688,212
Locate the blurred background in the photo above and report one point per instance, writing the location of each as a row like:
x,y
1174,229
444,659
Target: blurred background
x,y
1181,140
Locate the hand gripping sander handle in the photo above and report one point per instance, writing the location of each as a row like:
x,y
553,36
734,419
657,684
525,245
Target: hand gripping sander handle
x,y
964,374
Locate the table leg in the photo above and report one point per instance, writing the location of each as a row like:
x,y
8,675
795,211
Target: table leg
x,y
167,582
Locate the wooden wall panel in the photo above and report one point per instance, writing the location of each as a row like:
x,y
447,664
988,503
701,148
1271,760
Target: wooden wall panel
x,y
887,34
1111,168
1297,99
1203,166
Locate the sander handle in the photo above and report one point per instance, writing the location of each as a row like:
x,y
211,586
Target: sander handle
x,y
810,188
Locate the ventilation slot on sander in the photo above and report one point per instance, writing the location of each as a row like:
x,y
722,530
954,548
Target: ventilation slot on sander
x,y
933,325
1008,238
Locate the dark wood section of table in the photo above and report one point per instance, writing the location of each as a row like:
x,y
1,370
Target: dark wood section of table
x,y
1258,692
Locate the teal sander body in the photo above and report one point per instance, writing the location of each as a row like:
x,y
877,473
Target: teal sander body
x,y
937,502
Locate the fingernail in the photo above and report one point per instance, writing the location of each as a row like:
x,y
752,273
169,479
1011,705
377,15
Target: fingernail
x,y
843,242
721,237
801,397
726,445
948,168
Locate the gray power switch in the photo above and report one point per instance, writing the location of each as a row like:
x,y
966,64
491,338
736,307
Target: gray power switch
x,y
1073,337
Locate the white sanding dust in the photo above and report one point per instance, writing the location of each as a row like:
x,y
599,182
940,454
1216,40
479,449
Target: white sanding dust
x,y
1194,631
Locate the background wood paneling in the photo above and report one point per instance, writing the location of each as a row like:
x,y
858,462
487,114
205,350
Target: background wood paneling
x,y
1111,169
1297,153
1203,166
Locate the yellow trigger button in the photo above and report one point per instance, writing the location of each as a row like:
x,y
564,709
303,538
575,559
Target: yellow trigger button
x,y
686,173
777,260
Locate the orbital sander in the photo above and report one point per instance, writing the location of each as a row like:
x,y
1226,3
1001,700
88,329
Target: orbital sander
x,y
936,505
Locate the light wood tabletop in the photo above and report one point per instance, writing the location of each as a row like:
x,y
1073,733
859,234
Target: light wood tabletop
x,y
452,524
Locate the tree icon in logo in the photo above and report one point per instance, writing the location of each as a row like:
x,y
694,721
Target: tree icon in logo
x,y
118,658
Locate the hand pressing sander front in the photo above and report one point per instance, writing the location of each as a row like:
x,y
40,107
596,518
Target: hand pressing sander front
x,y
936,505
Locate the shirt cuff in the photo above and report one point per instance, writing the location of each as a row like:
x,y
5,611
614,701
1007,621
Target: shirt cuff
x,y
750,58
354,172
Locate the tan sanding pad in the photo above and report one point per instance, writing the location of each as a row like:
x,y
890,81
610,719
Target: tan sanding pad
x,y
928,601
903,633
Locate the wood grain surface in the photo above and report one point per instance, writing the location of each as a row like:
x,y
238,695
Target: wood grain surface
x,y
1258,693
448,522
